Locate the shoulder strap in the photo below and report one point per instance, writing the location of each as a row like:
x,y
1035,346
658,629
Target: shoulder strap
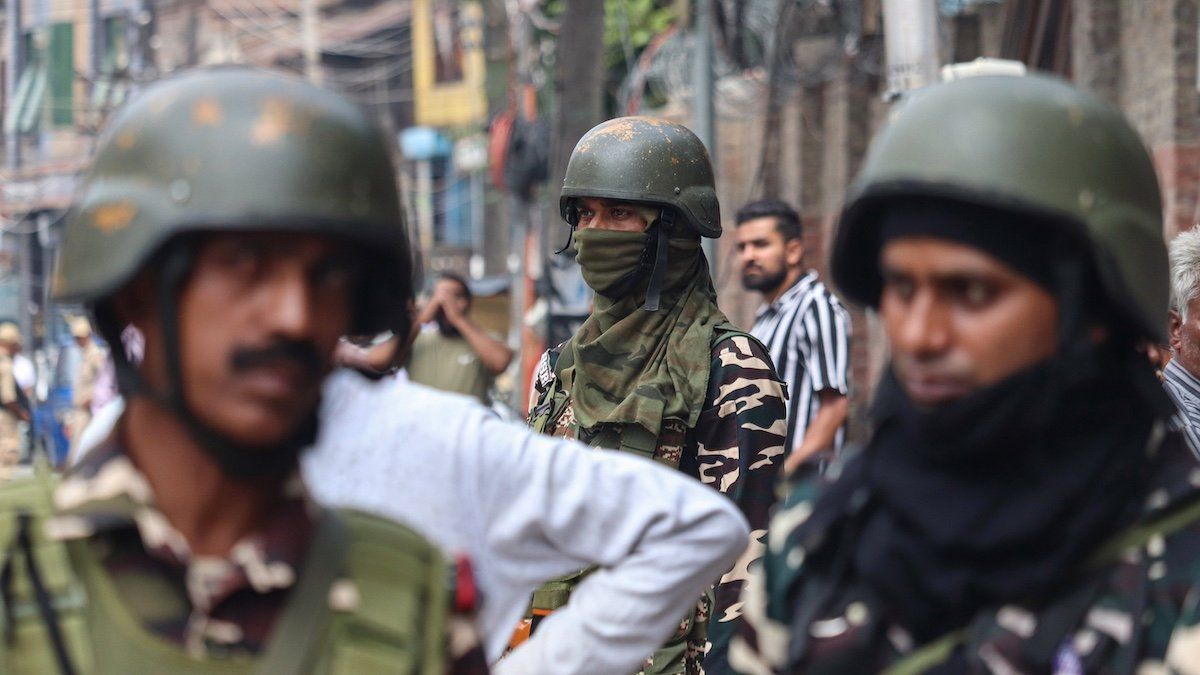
x,y
306,614
41,595
1136,535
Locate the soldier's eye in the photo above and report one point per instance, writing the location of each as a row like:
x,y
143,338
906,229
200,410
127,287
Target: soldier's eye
x,y
974,293
898,287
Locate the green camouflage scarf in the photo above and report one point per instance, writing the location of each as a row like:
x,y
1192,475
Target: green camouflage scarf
x,y
628,366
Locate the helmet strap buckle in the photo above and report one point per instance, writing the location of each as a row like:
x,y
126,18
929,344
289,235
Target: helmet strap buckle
x,y
665,223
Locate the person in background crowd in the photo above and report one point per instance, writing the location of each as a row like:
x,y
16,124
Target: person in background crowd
x,y
657,370
803,325
1021,506
24,371
449,351
1181,375
92,362
14,407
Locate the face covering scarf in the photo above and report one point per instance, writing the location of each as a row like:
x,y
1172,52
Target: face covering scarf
x,y
629,366
999,496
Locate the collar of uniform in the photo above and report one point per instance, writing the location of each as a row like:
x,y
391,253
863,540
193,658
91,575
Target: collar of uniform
x,y
105,493
1180,376
790,295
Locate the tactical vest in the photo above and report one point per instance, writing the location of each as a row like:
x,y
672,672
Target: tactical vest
x,y
665,448
62,613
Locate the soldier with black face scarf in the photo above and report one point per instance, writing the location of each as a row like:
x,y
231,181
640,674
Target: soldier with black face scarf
x,y
657,370
1021,506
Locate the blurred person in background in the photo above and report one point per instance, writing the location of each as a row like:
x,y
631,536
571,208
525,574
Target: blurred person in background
x,y
803,325
14,406
1181,375
451,352
92,363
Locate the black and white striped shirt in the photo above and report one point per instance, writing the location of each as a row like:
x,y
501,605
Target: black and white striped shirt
x,y
1184,390
807,332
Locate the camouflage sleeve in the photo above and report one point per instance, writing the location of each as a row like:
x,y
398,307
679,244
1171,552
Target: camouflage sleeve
x,y
759,645
542,374
740,437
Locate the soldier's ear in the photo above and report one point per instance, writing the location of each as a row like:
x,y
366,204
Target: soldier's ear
x,y
135,302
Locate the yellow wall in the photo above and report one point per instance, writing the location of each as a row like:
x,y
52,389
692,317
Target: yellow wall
x,y
454,103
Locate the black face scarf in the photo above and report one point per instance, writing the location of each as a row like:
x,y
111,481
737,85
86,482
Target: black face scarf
x,y
998,497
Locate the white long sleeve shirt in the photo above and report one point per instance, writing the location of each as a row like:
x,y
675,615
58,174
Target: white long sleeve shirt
x,y
525,509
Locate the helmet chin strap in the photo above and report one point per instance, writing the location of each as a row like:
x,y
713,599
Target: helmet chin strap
x,y
236,459
665,223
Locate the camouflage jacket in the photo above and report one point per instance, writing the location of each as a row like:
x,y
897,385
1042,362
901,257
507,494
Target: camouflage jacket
x,y
1138,612
736,446
211,606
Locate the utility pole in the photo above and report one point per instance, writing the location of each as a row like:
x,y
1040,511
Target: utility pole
x,y
702,98
99,38
14,68
911,44
310,34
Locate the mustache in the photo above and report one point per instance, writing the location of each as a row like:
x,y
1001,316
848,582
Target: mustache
x,y
295,352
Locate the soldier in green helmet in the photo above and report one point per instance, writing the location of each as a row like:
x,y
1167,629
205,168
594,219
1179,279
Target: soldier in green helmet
x,y
242,221
657,370
1021,505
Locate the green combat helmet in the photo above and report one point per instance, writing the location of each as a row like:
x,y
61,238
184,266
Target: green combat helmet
x,y
648,161
231,149
1032,145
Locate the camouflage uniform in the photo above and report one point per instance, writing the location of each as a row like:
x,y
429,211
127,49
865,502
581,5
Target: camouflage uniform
x,y
1141,615
212,607
731,434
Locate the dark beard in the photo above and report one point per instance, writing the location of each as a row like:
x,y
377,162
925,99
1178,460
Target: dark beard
x,y
764,283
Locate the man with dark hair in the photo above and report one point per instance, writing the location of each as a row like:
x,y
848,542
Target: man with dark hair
x,y
449,351
803,325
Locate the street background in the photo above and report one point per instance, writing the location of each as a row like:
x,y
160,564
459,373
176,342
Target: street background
x,y
485,100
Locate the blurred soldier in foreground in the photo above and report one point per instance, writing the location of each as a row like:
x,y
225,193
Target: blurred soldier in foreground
x,y
14,408
92,362
803,325
1021,506
455,354
657,370
242,221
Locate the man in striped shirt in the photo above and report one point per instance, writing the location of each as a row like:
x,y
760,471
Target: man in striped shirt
x,y
803,325
1181,376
